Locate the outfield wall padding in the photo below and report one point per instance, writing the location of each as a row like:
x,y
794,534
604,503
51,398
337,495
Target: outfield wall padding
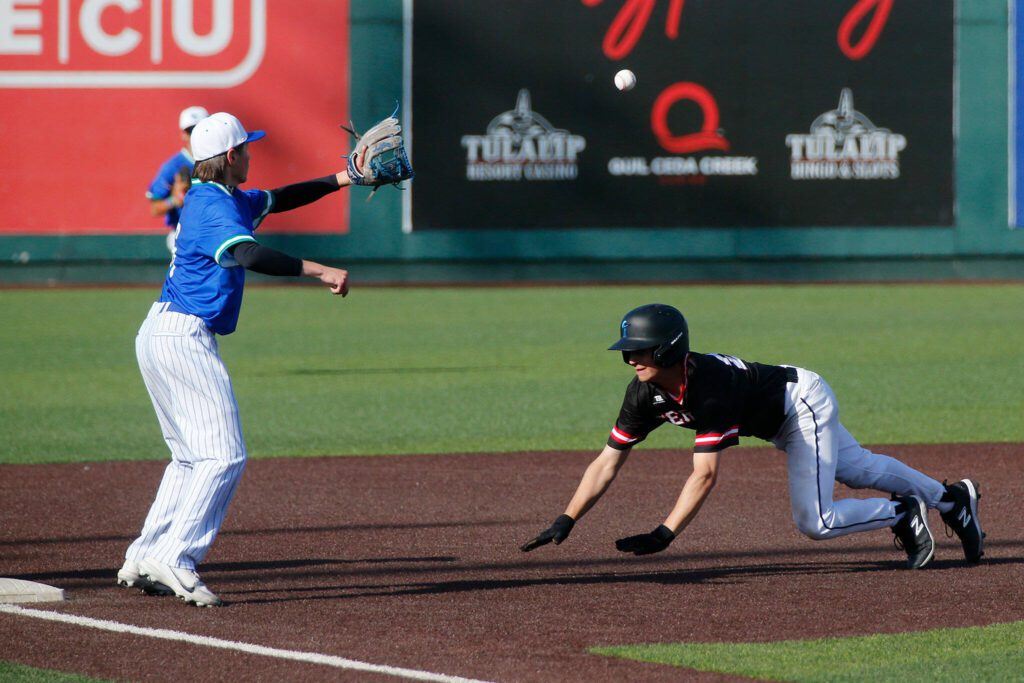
x,y
978,243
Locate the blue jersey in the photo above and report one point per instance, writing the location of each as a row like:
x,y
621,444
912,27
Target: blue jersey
x,y
204,279
161,186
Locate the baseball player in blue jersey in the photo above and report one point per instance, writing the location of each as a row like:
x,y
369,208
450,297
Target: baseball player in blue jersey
x,y
177,344
167,191
723,398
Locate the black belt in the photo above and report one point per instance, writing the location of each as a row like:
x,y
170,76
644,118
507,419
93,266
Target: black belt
x,y
175,308
791,376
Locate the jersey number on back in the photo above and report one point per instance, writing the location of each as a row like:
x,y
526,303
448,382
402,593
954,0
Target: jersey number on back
x,y
730,360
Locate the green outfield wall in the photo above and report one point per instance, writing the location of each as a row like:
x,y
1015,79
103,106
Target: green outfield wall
x,y
979,244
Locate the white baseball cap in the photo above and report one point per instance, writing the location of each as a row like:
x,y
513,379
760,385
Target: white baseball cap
x,y
191,116
217,134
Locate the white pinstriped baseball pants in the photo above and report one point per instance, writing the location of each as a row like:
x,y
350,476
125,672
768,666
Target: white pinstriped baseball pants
x,y
820,452
198,415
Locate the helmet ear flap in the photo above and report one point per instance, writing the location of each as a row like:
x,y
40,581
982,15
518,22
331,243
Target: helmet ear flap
x,y
674,351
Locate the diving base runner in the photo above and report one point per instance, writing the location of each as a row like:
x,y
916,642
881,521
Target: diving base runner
x,y
722,398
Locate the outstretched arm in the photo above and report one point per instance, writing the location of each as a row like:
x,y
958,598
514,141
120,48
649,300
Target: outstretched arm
x,y
260,259
695,492
596,479
335,278
295,195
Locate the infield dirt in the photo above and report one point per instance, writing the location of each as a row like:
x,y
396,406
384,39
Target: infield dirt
x,y
413,561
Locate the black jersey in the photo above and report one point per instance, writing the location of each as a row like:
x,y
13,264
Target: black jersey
x,y
723,399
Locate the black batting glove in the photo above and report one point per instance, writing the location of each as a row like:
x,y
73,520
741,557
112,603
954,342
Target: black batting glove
x,y
645,544
557,532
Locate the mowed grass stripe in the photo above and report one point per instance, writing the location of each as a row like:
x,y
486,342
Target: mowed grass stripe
x,y
439,370
16,673
987,653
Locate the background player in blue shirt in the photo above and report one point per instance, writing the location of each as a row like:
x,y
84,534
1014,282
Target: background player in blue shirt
x,y
167,191
723,398
177,350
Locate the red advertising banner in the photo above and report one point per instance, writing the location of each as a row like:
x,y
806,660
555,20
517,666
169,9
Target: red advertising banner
x,y
91,90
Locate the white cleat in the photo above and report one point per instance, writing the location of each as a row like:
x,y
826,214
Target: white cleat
x,y
129,577
185,583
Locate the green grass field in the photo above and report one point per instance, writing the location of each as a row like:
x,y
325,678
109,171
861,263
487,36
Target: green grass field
x,y
437,370
15,673
989,653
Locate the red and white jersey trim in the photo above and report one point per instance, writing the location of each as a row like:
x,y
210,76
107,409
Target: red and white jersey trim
x,y
715,439
620,436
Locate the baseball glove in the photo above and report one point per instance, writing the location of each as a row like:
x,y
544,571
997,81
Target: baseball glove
x,y
182,183
379,156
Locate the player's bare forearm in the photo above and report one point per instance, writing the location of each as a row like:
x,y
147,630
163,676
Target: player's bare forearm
x,y
596,480
695,491
335,278
598,475
343,178
160,207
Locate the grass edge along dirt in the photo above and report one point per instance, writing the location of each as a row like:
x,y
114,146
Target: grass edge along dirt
x,y
990,653
19,673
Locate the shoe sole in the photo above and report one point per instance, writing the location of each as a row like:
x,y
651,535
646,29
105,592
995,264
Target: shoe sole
x,y
146,586
196,603
186,598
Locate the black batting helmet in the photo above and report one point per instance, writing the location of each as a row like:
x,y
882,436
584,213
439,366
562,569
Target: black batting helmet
x,y
659,327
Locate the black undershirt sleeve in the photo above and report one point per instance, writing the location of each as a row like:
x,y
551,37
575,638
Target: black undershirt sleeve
x,y
259,259
299,194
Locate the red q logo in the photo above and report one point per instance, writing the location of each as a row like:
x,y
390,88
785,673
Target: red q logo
x,y
707,138
628,28
130,43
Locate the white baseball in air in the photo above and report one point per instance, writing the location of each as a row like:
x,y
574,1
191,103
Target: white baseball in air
x,y
625,80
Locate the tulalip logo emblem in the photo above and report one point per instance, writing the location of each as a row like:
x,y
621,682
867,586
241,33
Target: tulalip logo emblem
x,y
843,144
519,145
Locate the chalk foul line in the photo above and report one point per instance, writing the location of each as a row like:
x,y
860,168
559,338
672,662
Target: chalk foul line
x,y
206,641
